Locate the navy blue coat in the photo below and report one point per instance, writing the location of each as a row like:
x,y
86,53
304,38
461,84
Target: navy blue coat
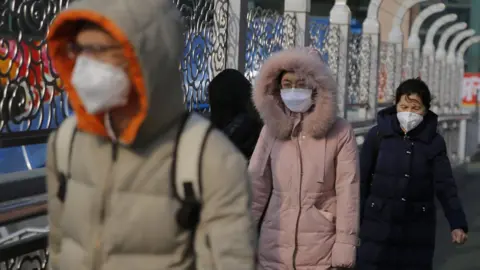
x,y
398,190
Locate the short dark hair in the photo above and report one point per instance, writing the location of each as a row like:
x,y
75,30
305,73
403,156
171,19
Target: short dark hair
x,y
414,87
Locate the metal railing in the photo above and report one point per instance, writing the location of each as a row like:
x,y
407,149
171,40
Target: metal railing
x,y
28,247
25,248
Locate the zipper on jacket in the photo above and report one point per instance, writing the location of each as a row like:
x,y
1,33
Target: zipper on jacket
x,y
300,163
106,193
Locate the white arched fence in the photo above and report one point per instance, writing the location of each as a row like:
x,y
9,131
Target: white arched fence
x,y
373,70
456,74
441,62
381,67
368,71
413,54
429,66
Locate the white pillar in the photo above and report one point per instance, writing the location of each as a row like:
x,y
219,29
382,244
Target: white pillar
x,y
458,84
428,55
300,10
452,67
441,59
236,32
340,16
462,140
460,56
414,43
369,64
467,44
395,37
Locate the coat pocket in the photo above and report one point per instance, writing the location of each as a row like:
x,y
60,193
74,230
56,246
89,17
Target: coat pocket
x,y
373,208
323,217
422,210
374,204
327,215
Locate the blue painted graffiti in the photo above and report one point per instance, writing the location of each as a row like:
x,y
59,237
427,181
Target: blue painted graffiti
x,y
196,75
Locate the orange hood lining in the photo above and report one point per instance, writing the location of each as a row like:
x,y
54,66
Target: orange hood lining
x,y
61,32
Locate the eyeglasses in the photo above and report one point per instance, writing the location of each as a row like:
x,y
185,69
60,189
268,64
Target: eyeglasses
x,y
74,49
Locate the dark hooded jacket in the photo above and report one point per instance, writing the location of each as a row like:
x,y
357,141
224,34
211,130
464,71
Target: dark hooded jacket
x,y
400,177
232,110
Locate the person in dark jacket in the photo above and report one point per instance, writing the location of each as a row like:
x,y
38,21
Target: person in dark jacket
x,y
232,109
404,165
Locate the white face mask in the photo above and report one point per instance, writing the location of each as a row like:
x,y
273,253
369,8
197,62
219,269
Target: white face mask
x,y
297,99
100,86
409,120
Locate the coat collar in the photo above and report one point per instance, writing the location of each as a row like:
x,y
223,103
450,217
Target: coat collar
x,y
388,125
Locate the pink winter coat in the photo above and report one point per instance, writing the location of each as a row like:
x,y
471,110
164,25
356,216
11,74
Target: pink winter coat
x,y
309,218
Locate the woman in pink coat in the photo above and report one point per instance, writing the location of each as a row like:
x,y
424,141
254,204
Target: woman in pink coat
x,y
305,175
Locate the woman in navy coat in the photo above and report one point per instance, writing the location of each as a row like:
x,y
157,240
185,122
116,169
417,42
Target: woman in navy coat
x,y
404,165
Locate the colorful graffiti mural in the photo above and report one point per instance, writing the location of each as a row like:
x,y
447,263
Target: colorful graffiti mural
x,y
29,66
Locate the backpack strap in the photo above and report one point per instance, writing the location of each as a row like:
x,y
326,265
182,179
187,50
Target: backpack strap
x,y
187,168
63,146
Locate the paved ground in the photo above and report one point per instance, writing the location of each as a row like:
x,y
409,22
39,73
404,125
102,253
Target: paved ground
x,y
467,257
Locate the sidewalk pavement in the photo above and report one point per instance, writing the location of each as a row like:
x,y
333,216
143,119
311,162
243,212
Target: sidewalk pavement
x,y
466,257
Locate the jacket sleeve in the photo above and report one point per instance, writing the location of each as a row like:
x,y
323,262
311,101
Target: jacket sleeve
x,y
226,205
367,163
446,189
55,207
261,176
347,191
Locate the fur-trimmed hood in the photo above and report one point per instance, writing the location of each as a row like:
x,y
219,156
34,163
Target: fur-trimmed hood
x,y
317,75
